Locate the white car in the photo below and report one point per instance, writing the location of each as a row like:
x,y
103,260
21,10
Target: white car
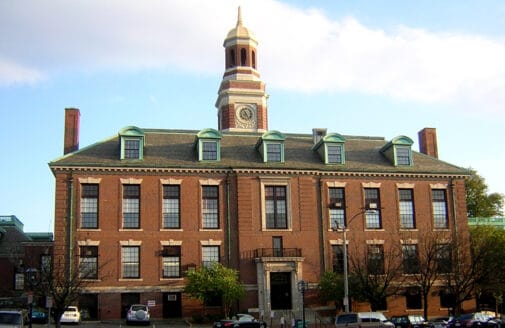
x,y
138,313
71,315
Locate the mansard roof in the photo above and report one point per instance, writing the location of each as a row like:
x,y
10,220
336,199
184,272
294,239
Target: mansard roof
x,y
174,149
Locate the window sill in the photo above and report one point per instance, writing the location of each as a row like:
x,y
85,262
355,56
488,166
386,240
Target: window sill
x,y
123,229
172,279
130,279
89,229
211,229
171,229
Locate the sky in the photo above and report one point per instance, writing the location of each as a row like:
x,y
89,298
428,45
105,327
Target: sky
x,y
371,68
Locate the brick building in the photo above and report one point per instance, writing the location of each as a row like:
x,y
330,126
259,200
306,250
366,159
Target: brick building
x,y
140,208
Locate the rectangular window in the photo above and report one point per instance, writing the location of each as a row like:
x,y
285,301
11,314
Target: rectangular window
x,y
89,206
406,206
337,208
334,154
132,148
19,281
171,207
45,263
131,206
130,261
373,213
210,207
402,155
444,258
209,150
413,298
439,202
276,207
171,261
375,260
210,255
277,246
338,258
88,262
410,259
274,152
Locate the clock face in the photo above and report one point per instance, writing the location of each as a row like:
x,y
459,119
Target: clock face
x,y
246,114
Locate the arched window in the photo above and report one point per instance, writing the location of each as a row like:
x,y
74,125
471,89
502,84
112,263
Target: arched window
x,y
253,59
243,56
232,58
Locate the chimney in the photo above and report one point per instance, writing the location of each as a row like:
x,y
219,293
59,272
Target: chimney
x,y
318,134
71,142
428,142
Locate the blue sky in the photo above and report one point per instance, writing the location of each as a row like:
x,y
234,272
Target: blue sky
x,y
377,68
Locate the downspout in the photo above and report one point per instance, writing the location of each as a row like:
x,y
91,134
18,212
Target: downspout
x,y
70,226
228,220
322,233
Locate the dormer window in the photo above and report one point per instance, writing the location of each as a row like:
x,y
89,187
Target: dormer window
x,y
132,143
331,148
271,146
398,151
208,145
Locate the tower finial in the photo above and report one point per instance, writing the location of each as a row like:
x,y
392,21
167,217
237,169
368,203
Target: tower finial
x,y
239,17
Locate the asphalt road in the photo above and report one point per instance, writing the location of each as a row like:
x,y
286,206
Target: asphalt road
x,y
155,324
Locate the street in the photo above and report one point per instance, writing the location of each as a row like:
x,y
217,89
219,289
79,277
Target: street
x,y
154,324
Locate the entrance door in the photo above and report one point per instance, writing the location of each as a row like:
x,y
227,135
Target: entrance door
x,y
128,299
172,305
280,290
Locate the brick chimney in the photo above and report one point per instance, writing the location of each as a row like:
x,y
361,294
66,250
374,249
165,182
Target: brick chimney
x,y
71,142
428,142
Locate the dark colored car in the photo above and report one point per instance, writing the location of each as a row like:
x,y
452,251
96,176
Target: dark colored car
x,y
409,321
240,321
472,320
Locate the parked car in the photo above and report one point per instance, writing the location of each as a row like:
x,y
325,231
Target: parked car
x,y
138,313
409,321
39,315
473,320
240,320
362,320
11,319
439,322
71,315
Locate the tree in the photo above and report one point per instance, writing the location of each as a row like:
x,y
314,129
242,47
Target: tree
x,y
215,282
479,203
331,288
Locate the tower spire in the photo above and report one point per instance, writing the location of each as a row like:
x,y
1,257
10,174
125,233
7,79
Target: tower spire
x,y
239,17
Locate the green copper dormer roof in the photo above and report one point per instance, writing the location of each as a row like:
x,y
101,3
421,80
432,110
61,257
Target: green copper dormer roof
x,y
131,131
329,138
400,140
270,136
209,134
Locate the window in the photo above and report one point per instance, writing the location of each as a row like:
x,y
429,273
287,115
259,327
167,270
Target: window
x,y
413,298
171,261
274,152
89,206
439,202
337,208
373,213
88,262
130,261
131,206
277,246
375,263
210,255
232,58
132,148
338,258
276,207
209,151
410,259
210,207
334,153
243,57
447,299
403,155
45,263
19,281
171,207
444,258
406,209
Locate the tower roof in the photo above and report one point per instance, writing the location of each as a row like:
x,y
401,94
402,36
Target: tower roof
x,y
240,31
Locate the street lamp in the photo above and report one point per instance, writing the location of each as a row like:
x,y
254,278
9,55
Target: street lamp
x,y
344,237
302,287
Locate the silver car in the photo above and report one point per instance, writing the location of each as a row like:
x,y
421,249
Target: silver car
x,y
138,313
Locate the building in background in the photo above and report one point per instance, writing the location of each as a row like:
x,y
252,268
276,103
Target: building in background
x,y
139,209
22,254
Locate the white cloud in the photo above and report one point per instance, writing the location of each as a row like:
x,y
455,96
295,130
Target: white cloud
x,y
300,50
13,73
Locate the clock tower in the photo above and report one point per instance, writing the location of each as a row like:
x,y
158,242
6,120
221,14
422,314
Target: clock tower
x,y
242,101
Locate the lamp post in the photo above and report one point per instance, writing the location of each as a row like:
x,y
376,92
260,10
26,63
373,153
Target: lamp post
x,y
346,273
302,286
